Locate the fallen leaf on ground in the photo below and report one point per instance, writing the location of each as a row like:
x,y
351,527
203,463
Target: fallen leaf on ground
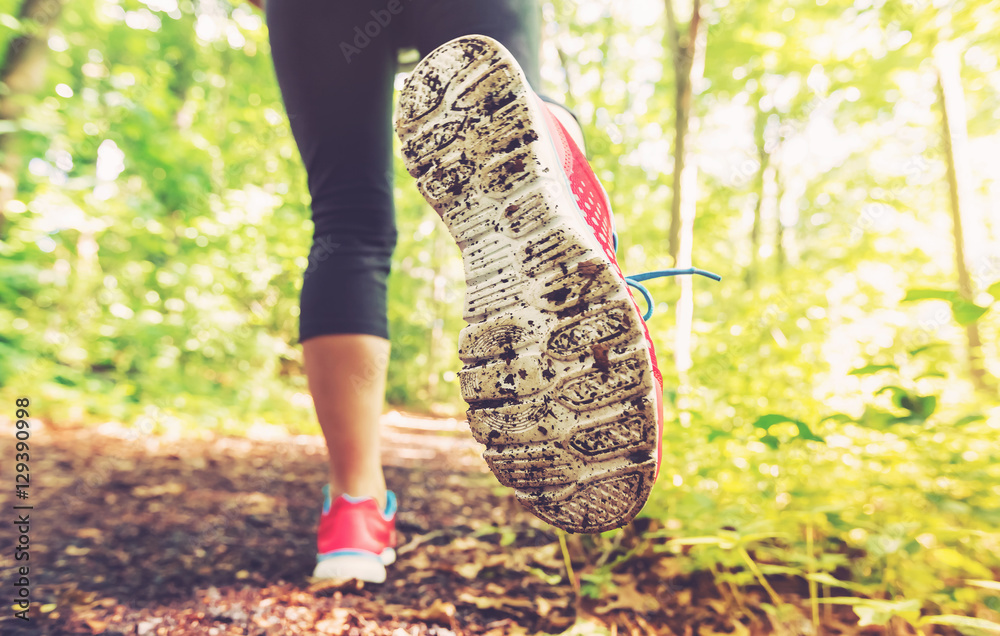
x,y
440,612
626,597
495,602
336,624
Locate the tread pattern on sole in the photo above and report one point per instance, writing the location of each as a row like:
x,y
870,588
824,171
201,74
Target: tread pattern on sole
x,y
557,371
624,432
598,505
595,329
512,423
610,383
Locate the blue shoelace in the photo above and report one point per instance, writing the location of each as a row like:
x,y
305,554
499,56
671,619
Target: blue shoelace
x,y
634,281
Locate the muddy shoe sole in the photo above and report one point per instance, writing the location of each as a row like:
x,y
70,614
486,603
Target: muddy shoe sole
x,y
557,370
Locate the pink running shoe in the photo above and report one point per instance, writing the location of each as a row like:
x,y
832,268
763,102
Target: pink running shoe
x,y
356,540
559,369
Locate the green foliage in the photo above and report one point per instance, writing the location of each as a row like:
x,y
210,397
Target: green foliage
x,y
965,311
767,421
902,487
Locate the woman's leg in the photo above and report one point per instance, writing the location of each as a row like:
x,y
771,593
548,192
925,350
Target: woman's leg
x,y
514,23
347,380
335,63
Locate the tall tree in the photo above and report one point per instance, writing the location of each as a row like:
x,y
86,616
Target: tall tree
x,y
763,162
684,52
22,73
688,57
953,131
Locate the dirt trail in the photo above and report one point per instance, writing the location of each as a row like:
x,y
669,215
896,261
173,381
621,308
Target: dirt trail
x,y
136,534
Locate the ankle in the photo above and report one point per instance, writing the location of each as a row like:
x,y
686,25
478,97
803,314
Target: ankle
x,y
358,489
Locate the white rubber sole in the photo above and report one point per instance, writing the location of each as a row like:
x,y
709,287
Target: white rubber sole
x,y
363,567
557,371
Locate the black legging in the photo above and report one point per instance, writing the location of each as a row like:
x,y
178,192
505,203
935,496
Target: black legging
x,y
336,61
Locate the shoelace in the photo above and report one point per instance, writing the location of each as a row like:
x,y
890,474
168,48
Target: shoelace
x,y
634,281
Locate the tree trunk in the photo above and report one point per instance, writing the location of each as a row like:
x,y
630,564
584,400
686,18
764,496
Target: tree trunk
x,y
688,62
779,226
570,100
763,159
682,104
952,100
22,73
683,54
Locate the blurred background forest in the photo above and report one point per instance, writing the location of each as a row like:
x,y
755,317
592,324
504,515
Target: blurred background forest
x,y
832,403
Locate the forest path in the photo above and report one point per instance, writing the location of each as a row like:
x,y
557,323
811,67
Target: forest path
x,y
141,534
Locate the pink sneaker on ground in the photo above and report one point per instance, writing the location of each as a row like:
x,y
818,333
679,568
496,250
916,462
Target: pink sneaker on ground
x,y
356,540
559,369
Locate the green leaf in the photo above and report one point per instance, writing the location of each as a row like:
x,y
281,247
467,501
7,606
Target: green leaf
x,y
953,558
698,541
551,579
921,406
717,434
871,615
919,350
968,419
838,417
767,421
873,368
928,405
968,625
929,294
832,581
899,394
987,585
876,418
877,612
806,433
967,312
843,600
994,290
768,569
